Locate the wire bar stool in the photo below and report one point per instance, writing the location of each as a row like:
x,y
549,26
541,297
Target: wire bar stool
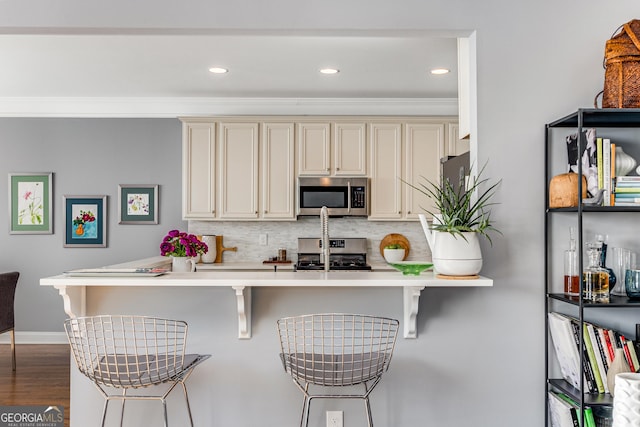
x,y
336,350
132,352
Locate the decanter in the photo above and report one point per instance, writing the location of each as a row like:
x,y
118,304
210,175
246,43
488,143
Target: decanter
x,y
571,274
595,285
603,259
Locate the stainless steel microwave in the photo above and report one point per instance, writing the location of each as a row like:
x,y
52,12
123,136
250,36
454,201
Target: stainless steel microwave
x,y
343,196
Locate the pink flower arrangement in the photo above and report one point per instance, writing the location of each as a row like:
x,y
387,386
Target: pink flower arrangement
x,y
178,243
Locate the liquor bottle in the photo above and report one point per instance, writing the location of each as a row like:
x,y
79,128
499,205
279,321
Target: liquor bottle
x,y
571,275
595,286
603,259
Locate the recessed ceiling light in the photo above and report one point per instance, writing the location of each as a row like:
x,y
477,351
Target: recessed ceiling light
x,y
329,70
218,70
440,71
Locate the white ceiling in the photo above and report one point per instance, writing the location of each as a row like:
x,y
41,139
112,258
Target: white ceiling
x,y
261,65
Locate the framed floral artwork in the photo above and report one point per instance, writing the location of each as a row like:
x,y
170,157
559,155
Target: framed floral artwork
x,y
138,204
85,221
30,207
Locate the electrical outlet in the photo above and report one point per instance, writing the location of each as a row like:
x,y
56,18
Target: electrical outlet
x,y
263,240
334,419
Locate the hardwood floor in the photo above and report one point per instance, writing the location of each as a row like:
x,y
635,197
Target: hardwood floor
x,y
41,376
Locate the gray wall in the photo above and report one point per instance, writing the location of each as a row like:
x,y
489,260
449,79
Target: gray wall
x,y
479,358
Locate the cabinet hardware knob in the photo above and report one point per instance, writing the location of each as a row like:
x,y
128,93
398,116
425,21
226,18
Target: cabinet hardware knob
x,y
409,212
399,212
265,211
337,169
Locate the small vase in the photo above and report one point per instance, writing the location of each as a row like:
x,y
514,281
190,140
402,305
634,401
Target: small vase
x,y
183,264
210,256
80,230
618,366
624,162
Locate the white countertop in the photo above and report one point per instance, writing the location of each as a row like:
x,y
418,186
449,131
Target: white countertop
x,y
243,276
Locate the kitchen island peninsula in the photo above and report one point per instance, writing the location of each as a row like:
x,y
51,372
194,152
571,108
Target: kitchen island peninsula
x,y
73,286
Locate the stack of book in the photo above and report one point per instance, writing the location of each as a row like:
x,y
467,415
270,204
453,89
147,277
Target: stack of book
x,y
606,163
598,351
626,191
563,411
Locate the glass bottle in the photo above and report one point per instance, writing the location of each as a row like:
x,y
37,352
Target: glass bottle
x,y
595,278
603,259
571,275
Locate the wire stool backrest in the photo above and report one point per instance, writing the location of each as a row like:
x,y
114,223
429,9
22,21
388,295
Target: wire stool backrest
x,y
127,351
337,349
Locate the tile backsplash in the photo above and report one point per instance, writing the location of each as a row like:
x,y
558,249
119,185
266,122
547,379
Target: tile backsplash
x,y
245,235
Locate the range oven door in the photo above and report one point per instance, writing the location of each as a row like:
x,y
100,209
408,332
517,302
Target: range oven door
x,y
342,196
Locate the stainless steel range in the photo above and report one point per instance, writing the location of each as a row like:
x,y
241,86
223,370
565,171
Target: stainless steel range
x,y
344,254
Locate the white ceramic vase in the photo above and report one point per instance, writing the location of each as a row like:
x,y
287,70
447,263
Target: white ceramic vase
x,y
183,264
626,402
453,255
210,256
624,162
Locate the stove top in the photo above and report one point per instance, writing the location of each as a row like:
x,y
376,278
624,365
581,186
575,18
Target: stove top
x,y
345,254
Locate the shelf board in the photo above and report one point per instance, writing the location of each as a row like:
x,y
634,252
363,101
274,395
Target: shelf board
x,y
590,399
597,209
599,117
614,301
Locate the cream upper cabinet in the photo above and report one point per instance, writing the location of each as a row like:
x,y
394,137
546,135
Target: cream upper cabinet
x,y
198,169
278,171
385,144
349,149
403,152
239,167
314,148
423,148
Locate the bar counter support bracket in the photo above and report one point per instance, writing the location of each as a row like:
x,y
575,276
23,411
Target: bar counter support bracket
x,y
243,303
411,302
74,299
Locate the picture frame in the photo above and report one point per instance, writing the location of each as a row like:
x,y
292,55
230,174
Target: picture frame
x,y
85,221
138,204
30,203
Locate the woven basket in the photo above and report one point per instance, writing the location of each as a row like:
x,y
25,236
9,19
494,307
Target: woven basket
x,y
622,68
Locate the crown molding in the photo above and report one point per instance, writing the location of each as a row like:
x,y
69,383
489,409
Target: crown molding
x,y
157,107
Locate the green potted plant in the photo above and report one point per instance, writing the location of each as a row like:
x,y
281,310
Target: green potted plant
x,y
393,253
459,216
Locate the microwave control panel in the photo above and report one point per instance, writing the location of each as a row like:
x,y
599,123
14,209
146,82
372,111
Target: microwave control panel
x,y
358,197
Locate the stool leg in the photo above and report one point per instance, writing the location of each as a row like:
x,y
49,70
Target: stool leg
x,y
13,349
186,397
367,405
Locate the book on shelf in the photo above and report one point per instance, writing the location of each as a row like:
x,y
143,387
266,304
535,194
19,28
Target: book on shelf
x,y
600,163
613,171
624,189
628,178
593,353
561,412
606,171
565,348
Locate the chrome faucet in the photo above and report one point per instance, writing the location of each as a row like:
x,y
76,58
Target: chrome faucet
x,y
324,222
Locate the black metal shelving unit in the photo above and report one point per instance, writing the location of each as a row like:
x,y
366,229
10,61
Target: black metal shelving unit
x,y
580,119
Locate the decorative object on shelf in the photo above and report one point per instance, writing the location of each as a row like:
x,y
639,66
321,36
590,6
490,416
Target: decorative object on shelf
x,y
563,190
595,278
220,249
596,200
30,205
183,248
459,216
603,259
618,366
395,239
626,402
624,162
589,158
571,273
632,283
411,268
210,256
138,204
85,221
623,259
622,67
394,253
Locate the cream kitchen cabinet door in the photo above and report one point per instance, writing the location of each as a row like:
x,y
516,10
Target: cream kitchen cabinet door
x,y
239,167
456,146
385,164
349,149
424,146
198,169
314,149
278,171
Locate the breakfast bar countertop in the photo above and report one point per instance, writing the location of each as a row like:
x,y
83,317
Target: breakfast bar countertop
x,y
73,288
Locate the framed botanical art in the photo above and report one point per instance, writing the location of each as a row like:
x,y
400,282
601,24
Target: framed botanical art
x,y
30,206
85,221
138,204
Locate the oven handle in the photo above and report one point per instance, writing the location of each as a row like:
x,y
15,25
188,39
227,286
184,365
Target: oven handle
x,y
349,196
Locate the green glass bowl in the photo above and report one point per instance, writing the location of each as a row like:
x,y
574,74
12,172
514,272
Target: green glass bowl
x,y
412,268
